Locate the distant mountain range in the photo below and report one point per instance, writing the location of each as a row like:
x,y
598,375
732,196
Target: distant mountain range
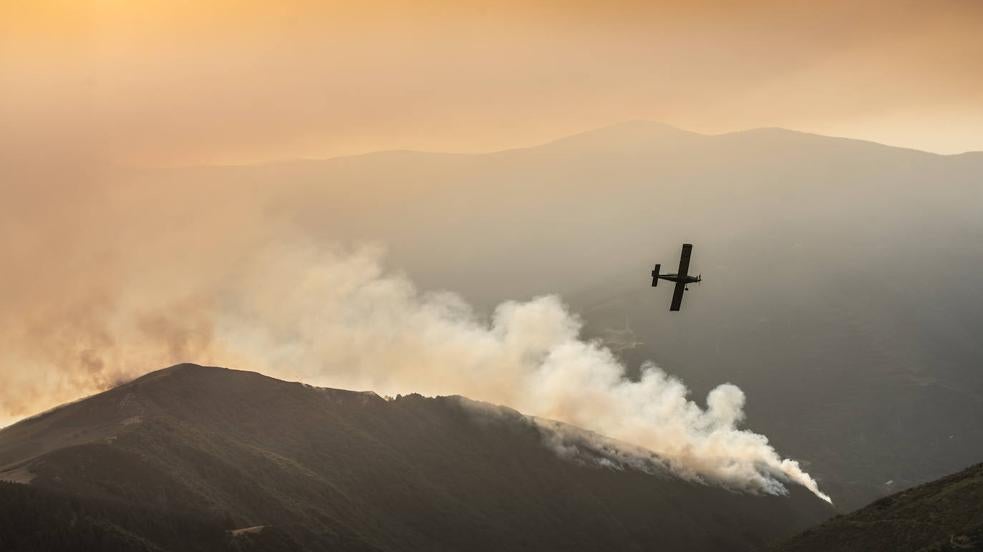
x,y
197,458
841,277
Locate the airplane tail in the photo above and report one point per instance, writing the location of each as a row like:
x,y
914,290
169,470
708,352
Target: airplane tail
x,y
655,275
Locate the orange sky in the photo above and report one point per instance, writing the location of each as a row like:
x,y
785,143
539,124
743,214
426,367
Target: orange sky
x,y
176,82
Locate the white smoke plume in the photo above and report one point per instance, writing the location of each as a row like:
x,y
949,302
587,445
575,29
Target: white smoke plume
x,y
334,318
104,283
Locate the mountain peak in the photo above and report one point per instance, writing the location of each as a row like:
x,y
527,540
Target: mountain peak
x,y
626,136
187,369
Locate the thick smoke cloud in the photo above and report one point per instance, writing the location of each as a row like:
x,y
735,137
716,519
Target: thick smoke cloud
x,y
105,287
335,318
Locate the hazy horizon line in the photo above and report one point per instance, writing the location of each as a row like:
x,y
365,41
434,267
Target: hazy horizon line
x,y
538,144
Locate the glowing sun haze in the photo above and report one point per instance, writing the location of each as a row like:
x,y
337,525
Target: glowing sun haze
x,y
176,82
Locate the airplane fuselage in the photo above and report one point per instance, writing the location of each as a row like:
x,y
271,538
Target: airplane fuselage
x,y
675,278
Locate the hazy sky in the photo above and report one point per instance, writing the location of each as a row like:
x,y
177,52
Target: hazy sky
x,y
176,82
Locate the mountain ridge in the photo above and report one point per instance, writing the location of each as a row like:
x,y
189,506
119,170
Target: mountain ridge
x,y
337,468
638,128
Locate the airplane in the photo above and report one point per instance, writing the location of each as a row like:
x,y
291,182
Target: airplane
x,y
681,279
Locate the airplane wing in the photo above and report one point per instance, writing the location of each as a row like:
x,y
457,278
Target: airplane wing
x,y
677,294
684,261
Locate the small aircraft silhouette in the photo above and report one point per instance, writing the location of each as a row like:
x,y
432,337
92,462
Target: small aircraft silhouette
x,y
681,279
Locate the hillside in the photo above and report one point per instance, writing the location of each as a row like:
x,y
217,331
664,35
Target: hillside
x,y
33,519
347,470
944,515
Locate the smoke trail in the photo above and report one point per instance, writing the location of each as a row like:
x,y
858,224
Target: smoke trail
x,y
333,318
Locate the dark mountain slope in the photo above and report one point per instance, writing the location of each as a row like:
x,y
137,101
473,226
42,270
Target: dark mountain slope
x,y
944,515
346,470
33,519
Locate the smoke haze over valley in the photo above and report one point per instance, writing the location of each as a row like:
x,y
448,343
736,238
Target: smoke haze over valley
x,y
248,267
